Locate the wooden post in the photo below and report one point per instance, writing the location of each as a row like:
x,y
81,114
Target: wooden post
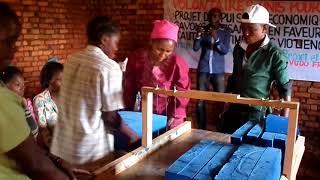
x,y
289,159
298,151
147,107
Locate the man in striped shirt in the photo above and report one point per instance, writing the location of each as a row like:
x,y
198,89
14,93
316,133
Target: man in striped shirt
x,y
91,94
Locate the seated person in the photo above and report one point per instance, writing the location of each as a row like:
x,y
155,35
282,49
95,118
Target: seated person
x,y
12,78
45,103
158,66
20,157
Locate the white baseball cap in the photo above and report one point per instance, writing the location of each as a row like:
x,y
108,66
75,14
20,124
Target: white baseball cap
x,y
256,14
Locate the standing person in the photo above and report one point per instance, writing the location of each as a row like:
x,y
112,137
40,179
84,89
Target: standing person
x,y
12,78
159,66
20,157
257,63
91,95
214,41
46,103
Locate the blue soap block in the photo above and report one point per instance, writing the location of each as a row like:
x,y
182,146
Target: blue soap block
x,y
267,139
134,121
252,162
268,166
238,136
185,159
212,168
241,162
196,164
254,135
276,124
201,161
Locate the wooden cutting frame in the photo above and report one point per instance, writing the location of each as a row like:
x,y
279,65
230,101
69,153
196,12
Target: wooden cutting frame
x,y
294,148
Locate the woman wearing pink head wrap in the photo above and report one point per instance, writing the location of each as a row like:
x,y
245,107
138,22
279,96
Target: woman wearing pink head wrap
x,y
158,66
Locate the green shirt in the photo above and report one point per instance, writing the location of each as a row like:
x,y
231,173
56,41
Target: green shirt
x,y
13,130
253,77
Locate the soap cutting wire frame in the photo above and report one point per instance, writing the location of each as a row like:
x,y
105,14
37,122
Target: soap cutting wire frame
x,y
294,146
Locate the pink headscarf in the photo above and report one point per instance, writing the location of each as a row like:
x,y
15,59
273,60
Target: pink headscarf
x,y
164,29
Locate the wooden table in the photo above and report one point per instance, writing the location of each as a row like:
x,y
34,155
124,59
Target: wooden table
x,y
154,165
155,155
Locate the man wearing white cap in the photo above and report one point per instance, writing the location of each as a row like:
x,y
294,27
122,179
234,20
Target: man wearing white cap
x,y
257,64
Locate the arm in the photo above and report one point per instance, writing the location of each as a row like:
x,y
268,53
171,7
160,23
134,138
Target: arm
x,y
45,135
32,123
178,106
111,84
20,147
232,78
283,83
130,86
113,120
197,43
39,110
285,94
30,120
33,161
222,46
285,112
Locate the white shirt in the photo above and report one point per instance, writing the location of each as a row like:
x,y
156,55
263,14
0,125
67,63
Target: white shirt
x,y
244,46
92,83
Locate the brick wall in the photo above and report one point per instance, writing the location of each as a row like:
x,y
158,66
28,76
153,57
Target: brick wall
x,y
57,28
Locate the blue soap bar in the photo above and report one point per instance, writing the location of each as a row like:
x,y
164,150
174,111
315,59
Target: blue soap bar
x,y
252,162
196,164
267,139
134,121
241,162
212,168
238,136
268,166
185,159
201,162
276,124
254,135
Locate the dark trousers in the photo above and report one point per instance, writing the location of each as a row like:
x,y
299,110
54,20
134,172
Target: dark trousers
x,y
237,115
204,81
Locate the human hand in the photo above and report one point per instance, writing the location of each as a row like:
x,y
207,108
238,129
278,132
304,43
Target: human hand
x,y
170,122
200,31
214,34
225,108
72,171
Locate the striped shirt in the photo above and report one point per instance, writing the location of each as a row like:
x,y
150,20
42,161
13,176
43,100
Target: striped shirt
x,y
92,84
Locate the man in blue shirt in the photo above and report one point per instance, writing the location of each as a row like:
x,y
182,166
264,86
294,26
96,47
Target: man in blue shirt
x,y
214,41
